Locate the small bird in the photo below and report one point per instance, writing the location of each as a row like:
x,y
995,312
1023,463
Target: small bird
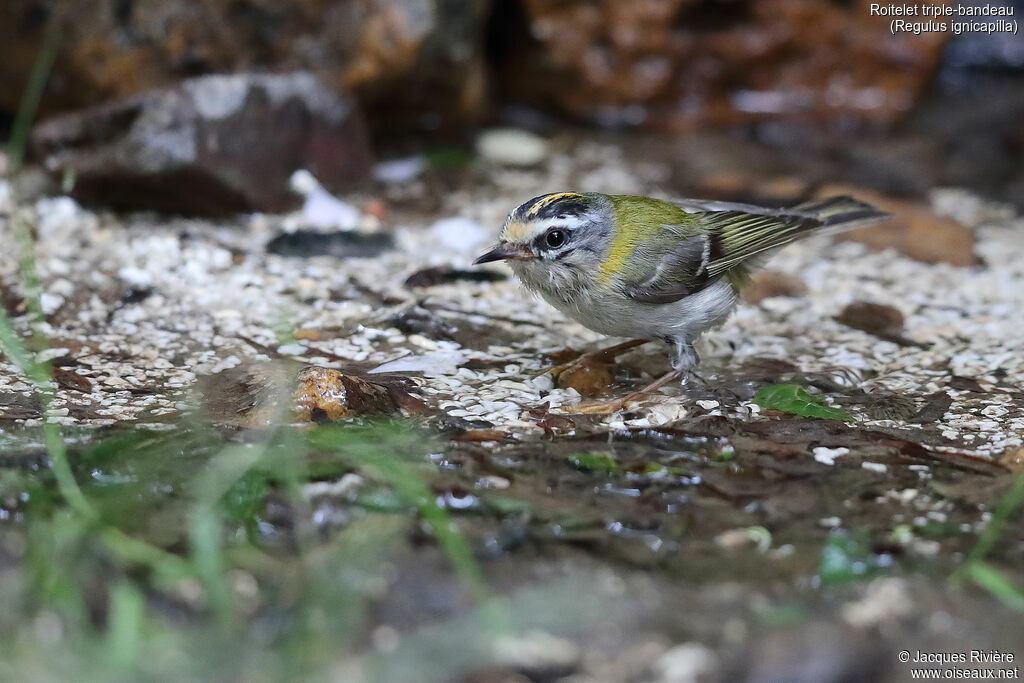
x,y
643,268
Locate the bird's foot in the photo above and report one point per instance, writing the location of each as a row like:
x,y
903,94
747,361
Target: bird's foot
x,y
609,407
594,357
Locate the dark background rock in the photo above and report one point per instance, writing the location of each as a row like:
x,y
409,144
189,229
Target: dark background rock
x,y
213,145
678,63
414,61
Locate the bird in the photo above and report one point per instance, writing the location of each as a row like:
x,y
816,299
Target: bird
x,y
653,269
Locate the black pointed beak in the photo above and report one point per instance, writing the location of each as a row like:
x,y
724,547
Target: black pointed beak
x,y
506,252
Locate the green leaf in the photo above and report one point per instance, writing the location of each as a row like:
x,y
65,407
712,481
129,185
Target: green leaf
x,y
997,584
793,399
124,624
845,559
503,505
595,462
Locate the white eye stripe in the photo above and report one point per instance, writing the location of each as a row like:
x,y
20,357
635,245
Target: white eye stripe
x,y
525,233
568,222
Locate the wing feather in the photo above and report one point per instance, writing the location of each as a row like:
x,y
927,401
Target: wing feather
x,y
733,238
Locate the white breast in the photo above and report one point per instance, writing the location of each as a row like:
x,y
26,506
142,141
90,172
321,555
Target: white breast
x,y
610,312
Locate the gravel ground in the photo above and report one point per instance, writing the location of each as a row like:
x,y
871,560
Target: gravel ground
x,y
139,306
721,545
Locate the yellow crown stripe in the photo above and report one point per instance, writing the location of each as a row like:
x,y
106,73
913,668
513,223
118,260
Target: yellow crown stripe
x,y
547,199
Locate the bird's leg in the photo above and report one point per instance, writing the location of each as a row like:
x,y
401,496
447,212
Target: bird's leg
x,y
684,359
599,356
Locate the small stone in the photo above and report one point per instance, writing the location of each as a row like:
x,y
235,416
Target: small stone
x,y
536,651
827,456
872,318
511,147
887,599
686,663
293,349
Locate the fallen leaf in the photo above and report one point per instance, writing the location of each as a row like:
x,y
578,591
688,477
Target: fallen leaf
x,y
589,379
548,421
69,379
914,230
595,462
480,435
793,399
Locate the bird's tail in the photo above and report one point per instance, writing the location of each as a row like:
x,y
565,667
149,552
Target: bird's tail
x,y
746,235
837,214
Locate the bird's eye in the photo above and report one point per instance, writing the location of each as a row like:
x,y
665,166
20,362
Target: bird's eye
x,y
555,238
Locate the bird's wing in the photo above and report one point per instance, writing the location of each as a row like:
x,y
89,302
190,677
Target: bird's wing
x,y
732,236
667,269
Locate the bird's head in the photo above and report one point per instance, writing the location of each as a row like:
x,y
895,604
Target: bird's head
x,y
556,238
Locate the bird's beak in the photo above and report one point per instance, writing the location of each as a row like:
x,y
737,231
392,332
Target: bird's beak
x,y
506,251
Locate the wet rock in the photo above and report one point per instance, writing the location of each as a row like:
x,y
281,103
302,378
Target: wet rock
x,y
914,230
328,394
193,149
246,396
424,58
15,406
769,283
444,275
309,243
676,63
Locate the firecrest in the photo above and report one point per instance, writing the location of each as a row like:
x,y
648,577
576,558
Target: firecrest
x,y
644,268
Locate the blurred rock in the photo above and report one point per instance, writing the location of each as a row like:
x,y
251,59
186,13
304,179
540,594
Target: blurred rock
x,y
413,62
1013,459
321,209
914,230
769,283
511,147
212,146
678,63
310,243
